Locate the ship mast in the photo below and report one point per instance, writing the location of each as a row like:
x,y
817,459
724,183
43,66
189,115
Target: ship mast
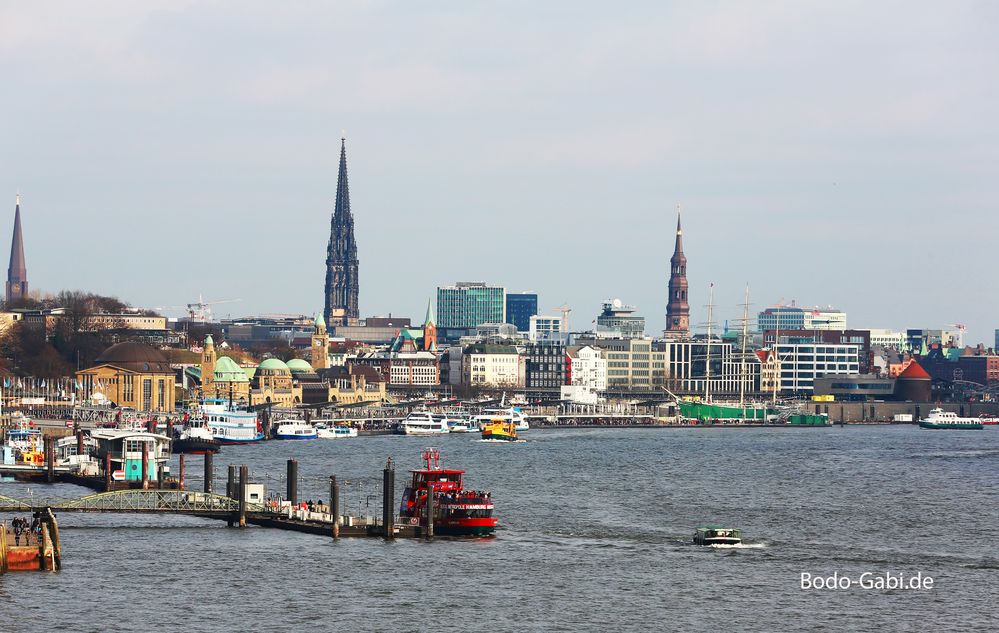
x,y
742,367
707,364
776,376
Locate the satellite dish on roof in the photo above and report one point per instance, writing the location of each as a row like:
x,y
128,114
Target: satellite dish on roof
x,y
617,303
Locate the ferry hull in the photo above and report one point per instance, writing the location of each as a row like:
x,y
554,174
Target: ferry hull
x,y
281,436
258,438
936,426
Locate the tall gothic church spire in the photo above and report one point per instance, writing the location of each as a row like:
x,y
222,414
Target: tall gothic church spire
x,y
341,256
677,308
17,272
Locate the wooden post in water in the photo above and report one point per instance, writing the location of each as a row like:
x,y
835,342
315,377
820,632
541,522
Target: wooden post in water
x,y
180,458
388,500
430,513
291,487
107,471
145,465
244,477
209,471
50,459
230,491
79,441
335,505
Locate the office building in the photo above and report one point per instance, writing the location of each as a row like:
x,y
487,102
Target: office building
x,y
520,307
467,305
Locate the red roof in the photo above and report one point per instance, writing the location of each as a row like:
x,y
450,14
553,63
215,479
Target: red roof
x,y
914,372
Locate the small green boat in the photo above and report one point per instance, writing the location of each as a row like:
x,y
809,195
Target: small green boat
x,y
717,535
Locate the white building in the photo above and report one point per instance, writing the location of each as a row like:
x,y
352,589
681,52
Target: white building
x,y
545,328
894,339
802,363
414,368
795,318
588,369
488,365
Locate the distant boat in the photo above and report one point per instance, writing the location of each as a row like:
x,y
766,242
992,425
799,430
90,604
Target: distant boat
x,y
512,414
717,535
940,419
230,425
328,430
423,423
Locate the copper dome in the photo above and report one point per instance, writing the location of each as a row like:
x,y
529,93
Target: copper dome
x,y
137,357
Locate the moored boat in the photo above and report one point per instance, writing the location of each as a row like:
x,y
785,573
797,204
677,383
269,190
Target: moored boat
x,y
329,430
459,425
422,423
295,430
940,419
717,535
230,425
195,438
457,512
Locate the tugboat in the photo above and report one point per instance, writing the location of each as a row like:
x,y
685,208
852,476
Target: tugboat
x,y
457,512
500,431
717,535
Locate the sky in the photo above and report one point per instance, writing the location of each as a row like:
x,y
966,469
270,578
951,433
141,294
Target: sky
x,y
827,153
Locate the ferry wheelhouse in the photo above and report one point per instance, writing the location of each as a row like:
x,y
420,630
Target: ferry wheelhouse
x,y
23,444
457,512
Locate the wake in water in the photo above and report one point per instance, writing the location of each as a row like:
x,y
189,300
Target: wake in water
x,y
738,546
503,441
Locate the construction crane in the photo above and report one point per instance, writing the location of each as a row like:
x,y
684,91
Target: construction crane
x,y
565,310
201,311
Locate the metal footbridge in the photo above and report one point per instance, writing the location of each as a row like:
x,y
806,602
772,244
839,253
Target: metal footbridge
x,y
139,502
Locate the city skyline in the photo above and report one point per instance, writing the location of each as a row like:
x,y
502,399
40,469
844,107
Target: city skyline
x,y
763,153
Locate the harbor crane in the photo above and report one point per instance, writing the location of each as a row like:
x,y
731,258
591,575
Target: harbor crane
x,y
201,311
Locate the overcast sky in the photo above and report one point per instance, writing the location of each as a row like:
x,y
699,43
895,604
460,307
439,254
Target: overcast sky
x,y
837,153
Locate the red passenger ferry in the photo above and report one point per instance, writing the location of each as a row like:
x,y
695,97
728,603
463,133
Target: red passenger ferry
x,y
457,512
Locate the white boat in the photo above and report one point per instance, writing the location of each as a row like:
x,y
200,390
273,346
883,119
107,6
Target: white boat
x,y
459,425
231,426
422,423
328,430
295,430
940,419
502,416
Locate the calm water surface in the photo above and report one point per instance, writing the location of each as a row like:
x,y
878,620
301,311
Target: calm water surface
x,y
596,529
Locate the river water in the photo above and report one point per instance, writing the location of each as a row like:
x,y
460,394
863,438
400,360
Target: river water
x,y
596,527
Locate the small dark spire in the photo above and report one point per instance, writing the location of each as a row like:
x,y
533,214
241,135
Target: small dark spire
x,y
17,272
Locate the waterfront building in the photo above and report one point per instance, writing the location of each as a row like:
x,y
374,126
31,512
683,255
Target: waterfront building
x,y
795,318
618,320
520,307
490,365
272,383
545,365
860,338
130,375
801,363
546,328
467,305
859,387
353,383
677,308
373,330
342,287
769,370
682,367
17,272
629,362
587,368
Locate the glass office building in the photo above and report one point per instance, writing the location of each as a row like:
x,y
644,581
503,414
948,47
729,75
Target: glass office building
x,y
470,304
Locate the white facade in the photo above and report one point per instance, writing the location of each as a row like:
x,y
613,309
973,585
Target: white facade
x,y
802,363
888,338
492,368
414,368
589,369
795,318
545,328
579,394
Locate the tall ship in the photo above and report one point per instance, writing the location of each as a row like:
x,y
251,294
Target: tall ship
x,y
230,425
457,512
940,419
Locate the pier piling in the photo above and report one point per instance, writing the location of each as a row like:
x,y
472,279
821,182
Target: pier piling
x,y
292,482
388,500
107,471
430,513
244,476
50,459
180,459
79,440
230,490
335,505
209,471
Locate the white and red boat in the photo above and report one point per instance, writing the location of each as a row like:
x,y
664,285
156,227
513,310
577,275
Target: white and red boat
x,y
457,512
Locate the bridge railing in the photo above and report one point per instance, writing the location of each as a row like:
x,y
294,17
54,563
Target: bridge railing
x,y
166,501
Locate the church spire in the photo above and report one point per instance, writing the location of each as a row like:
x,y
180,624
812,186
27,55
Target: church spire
x,y
341,255
677,308
17,272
